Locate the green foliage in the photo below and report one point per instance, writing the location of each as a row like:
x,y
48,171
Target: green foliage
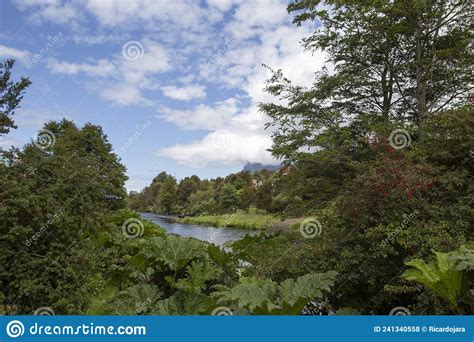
x,y
463,258
55,220
227,196
236,220
444,275
11,94
419,64
266,297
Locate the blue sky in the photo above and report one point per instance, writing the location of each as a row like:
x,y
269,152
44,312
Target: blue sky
x,y
174,84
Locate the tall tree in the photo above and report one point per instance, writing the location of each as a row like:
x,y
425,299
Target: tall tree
x,y
168,194
11,94
53,210
402,58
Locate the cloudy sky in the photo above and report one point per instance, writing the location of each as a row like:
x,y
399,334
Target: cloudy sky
x,y
175,84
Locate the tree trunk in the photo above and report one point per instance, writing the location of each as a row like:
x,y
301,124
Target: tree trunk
x,y
421,108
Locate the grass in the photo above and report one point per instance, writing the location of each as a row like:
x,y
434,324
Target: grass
x,y
240,220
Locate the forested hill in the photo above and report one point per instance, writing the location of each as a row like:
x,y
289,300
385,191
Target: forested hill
x,y
266,190
252,167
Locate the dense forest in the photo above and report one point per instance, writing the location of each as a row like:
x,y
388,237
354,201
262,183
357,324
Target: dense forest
x,y
376,169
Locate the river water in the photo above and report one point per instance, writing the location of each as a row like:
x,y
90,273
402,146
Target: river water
x,y
217,236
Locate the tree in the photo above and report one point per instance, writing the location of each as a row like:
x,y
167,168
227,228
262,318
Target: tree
x,y
53,212
168,194
187,186
11,94
392,57
227,196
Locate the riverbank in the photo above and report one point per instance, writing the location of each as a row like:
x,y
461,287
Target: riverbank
x,y
202,232
241,220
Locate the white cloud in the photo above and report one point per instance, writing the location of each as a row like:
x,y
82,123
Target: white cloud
x,y
222,5
221,148
100,68
36,118
240,67
50,10
113,12
187,37
123,79
8,52
203,116
185,93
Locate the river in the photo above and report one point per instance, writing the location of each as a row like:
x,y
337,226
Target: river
x,y
217,236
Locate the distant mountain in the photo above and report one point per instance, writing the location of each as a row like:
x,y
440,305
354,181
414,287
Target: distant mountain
x,y
252,167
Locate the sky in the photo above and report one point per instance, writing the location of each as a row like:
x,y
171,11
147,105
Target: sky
x,y
175,84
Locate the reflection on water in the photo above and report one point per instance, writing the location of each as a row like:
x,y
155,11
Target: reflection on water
x,y
218,236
